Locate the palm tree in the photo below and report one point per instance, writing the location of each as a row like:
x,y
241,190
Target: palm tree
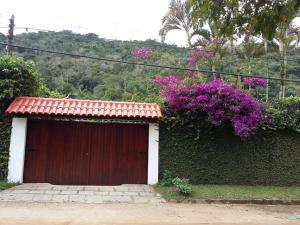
x,y
178,17
286,38
208,40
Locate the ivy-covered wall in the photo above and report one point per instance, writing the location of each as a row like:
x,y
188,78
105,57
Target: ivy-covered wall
x,y
207,155
17,77
5,127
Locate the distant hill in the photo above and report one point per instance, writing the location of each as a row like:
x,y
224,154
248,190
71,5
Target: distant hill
x,y
92,79
86,78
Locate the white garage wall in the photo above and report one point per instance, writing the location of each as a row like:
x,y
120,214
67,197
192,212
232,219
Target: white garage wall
x,y
153,153
18,143
17,150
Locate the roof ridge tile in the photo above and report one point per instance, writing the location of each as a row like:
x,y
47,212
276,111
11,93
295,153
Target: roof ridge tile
x,y
88,108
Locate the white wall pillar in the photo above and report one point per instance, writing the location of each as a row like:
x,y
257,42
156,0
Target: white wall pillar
x,y
17,150
153,153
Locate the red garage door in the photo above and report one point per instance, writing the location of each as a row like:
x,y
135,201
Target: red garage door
x,y
80,153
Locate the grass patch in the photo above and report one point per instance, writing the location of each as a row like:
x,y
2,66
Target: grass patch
x,y
230,192
5,185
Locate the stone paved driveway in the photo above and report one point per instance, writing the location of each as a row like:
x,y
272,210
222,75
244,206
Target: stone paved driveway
x,y
82,194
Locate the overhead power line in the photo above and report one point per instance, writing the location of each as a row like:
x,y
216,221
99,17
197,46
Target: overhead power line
x,y
161,45
144,64
164,45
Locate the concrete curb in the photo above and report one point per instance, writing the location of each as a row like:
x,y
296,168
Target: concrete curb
x,y
242,201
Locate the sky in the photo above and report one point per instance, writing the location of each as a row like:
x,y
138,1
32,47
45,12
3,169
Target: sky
x,y
112,19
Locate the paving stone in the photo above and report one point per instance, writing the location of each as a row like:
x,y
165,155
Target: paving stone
x,y
60,198
37,192
157,200
147,194
60,188
52,192
100,192
21,191
7,197
82,194
131,193
107,188
42,198
117,199
86,192
114,193
77,198
95,199
44,188
121,188
76,188
6,191
92,188
139,189
69,192
24,197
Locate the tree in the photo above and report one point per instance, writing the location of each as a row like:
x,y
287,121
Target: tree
x,y
210,46
178,17
17,77
286,37
245,16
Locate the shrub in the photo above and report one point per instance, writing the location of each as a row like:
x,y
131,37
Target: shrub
x,y
141,53
283,114
167,179
199,55
17,77
191,148
182,185
254,82
219,103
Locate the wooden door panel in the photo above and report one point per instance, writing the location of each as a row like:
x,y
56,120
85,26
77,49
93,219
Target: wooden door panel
x,y
81,151
70,147
134,149
55,153
35,153
61,152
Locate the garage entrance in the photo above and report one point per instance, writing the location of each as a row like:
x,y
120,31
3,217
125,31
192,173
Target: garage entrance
x,y
85,153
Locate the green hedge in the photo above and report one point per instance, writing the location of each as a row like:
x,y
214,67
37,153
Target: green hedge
x,y
208,155
5,127
17,77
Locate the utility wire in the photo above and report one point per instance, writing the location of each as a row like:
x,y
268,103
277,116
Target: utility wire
x,y
162,45
143,64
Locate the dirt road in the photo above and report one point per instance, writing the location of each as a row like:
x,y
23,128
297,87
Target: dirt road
x,y
14,213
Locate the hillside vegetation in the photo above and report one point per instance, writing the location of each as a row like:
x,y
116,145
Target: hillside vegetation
x,y
93,79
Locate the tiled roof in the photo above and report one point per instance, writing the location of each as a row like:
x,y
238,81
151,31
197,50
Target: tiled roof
x,y
32,106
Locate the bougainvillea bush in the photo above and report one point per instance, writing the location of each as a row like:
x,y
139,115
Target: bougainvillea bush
x,y
141,53
220,103
197,55
254,82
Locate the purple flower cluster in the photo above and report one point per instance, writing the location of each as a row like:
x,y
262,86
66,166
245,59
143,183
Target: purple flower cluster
x,y
255,82
165,81
197,54
141,53
220,102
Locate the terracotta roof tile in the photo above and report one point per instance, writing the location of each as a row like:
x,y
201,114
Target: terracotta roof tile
x,y
32,106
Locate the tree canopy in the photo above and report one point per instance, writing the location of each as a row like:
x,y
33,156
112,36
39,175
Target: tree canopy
x,y
18,77
238,17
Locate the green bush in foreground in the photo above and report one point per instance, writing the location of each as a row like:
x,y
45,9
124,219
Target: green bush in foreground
x,y
17,77
167,179
182,185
